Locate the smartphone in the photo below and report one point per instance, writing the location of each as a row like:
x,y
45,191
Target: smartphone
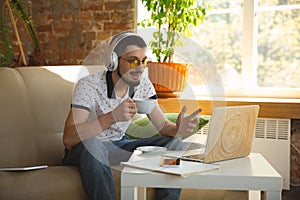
x,y
169,162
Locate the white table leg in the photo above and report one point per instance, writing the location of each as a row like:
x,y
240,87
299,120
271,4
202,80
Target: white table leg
x,y
254,195
128,193
273,195
142,193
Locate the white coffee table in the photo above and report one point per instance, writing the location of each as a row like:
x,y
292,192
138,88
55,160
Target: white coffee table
x,y
252,173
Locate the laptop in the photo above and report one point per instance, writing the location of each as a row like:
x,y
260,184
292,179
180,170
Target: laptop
x,y
230,135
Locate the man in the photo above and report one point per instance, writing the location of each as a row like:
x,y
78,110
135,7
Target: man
x,y
102,108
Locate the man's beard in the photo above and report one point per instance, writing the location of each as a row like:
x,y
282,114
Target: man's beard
x,y
128,82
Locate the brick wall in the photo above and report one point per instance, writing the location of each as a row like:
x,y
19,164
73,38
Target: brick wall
x,y
69,29
295,153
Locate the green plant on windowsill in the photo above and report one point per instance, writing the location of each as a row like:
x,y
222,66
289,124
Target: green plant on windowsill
x,y
173,19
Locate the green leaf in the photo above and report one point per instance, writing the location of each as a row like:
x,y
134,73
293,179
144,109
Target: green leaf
x,y
6,49
173,18
27,21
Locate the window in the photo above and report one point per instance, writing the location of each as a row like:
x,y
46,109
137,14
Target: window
x,y
255,45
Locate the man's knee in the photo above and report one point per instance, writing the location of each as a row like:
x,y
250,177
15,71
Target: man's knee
x,y
95,149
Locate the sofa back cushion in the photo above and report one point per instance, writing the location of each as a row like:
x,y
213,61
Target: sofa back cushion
x,y
16,138
44,96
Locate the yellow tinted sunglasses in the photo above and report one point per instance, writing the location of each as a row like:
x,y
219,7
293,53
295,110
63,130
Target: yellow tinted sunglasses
x,y
135,62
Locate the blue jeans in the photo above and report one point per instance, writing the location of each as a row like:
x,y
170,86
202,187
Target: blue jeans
x,y
94,158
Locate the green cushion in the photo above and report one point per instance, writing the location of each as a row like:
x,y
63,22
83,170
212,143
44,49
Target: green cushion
x,y
143,128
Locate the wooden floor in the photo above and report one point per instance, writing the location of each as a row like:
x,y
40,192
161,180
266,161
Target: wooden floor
x,y
292,194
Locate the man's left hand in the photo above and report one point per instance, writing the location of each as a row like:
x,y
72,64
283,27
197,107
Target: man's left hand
x,y
187,124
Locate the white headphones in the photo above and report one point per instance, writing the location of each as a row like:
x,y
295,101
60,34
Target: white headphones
x,y
111,58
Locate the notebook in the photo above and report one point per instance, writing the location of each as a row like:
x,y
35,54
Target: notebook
x,y
230,135
153,163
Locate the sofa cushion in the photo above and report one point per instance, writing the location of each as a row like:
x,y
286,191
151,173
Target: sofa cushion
x,y
50,95
143,128
59,182
16,138
49,92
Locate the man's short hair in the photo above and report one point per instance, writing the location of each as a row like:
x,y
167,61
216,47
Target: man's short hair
x,y
129,40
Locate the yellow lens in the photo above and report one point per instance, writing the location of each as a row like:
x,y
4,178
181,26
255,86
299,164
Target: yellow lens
x,y
134,63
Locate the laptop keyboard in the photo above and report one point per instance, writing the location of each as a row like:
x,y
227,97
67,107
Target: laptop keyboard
x,y
196,157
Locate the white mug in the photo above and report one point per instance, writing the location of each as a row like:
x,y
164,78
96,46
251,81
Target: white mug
x,y
144,106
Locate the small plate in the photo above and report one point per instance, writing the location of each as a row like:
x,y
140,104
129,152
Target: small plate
x,y
150,149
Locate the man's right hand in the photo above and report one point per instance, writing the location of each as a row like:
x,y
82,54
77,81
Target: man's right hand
x,y
125,111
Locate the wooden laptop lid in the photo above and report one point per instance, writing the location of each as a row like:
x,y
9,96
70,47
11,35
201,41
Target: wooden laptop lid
x,y
231,132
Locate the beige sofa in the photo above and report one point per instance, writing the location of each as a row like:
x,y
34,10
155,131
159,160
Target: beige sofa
x,y
34,104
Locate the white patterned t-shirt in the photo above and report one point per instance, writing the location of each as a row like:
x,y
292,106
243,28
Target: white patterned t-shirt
x,y
92,93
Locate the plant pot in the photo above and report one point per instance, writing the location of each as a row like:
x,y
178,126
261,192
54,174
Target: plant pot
x,y
168,78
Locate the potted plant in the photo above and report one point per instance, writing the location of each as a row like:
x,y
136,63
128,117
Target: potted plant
x,y
173,19
14,10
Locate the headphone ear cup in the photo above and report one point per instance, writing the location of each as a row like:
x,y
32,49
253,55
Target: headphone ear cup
x,y
113,64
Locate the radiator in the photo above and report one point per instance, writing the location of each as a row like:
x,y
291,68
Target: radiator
x,y
272,140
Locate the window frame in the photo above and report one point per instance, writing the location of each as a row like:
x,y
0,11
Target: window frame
x,y
249,87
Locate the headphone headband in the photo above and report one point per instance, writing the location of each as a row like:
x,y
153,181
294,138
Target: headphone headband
x,y
111,60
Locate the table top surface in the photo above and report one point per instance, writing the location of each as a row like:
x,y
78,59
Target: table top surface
x,y
252,173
